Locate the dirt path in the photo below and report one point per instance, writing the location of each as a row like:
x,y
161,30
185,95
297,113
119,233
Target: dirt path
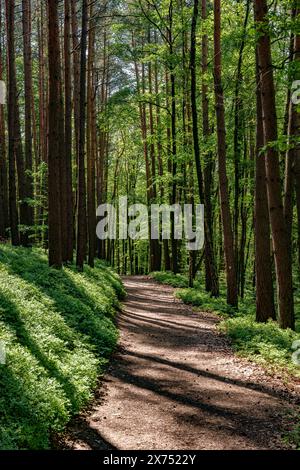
x,y
175,384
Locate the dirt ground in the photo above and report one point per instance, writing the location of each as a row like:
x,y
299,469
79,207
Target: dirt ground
x,y
175,384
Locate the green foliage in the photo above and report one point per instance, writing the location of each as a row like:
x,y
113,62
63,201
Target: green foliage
x,y
203,300
58,331
266,344
294,436
174,280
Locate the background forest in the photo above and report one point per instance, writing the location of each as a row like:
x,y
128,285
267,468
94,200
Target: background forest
x,y
162,101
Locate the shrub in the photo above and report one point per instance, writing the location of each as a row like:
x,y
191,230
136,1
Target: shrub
x,y
58,330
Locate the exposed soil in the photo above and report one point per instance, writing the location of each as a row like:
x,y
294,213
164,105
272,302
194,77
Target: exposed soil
x,y
176,384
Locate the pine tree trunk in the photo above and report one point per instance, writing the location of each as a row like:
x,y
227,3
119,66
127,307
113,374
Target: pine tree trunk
x,y
265,307
294,132
289,181
209,253
82,212
54,217
238,144
26,6
279,231
174,243
232,292
160,161
68,255
156,249
11,72
41,184
91,147
4,213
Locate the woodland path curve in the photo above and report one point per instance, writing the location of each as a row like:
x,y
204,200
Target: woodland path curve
x,y
175,383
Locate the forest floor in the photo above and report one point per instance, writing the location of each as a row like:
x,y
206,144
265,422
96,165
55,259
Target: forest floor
x,y
175,383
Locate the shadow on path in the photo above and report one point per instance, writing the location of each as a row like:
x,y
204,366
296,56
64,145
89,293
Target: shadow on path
x,y
176,384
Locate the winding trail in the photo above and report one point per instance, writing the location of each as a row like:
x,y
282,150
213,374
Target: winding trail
x,y
176,384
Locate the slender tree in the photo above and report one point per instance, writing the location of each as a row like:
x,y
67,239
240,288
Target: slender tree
x,y
232,291
68,255
54,217
82,211
91,145
209,253
26,21
4,215
265,307
278,225
13,210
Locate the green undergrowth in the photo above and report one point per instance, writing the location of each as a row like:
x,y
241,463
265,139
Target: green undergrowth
x,y
58,331
266,344
174,280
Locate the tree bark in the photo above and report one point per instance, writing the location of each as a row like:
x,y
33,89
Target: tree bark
x,y
11,71
238,143
91,147
68,255
265,307
279,231
26,6
82,212
54,217
294,132
232,291
4,213
209,253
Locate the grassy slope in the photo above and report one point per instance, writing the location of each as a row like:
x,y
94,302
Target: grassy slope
x,y
263,343
58,331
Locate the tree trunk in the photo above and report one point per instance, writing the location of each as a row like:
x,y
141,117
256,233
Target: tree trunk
x,y
91,147
82,213
237,142
156,249
54,217
11,72
294,132
68,255
232,292
160,162
279,231
26,6
209,253
4,213
265,307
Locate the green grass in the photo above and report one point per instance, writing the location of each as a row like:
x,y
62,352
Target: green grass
x,y
58,330
266,344
174,280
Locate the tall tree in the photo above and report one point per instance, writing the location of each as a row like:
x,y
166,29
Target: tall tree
x,y
54,217
4,215
82,211
278,226
209,253
26,20
68,255
91,144
293,154
232,291
13,210
238,141
265,307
